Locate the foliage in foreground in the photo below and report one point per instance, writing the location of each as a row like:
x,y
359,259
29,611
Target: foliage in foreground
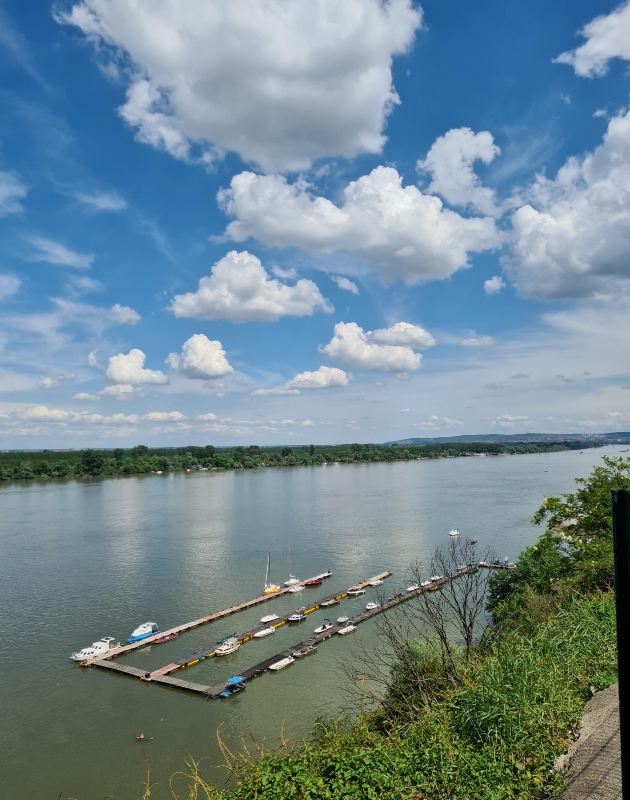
x,y
494,737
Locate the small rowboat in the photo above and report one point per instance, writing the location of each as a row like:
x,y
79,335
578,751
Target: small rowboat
x,y
165,638
285,662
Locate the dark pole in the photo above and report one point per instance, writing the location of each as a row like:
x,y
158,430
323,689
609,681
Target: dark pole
x,y
621,547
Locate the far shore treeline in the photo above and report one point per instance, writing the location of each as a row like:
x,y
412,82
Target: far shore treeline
x,y
141,459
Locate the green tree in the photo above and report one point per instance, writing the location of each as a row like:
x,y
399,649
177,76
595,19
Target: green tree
x,y
311,447
62,468
138,452
90,462
239,454
118,454
286,452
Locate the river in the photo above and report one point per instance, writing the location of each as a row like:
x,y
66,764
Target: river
x,y
85,559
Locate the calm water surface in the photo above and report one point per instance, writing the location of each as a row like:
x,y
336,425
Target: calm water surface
x,y
81,560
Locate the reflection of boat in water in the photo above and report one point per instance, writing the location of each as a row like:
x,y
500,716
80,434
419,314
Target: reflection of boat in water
x,y
270,588
97,649
264,632
143,632
284,662
269,618
308,650
228,647
234,685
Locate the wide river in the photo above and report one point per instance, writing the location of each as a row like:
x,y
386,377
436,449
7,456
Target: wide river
x,y
85,559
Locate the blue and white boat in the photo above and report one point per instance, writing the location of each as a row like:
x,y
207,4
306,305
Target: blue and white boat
x,y
233,685
143,632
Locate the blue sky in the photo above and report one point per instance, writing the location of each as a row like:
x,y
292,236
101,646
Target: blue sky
x,y
312,222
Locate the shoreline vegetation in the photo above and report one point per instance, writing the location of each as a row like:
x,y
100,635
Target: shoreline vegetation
x,y
484,721
21,465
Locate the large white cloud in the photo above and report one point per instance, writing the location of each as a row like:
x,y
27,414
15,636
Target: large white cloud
x,y
404,334
400,231
573,238
239,289
322,378
607,37
353,347
282,82
129,369
200,358
12,190
450,163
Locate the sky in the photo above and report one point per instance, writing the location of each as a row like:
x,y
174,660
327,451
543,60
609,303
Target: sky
x,y
309,221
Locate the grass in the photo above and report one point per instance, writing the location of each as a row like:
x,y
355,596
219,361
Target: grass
x,y
494,737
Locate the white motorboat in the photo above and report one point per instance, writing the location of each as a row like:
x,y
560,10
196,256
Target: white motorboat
x,y
356,591
325,626
308,650
413,587
269,618
332,602
341,620
436,577
461,567
284,662
425,583
264,632
270,588
377,582
228,647
143,632
97,649
297,616
349,628
372,606
293,581
454,532
298,587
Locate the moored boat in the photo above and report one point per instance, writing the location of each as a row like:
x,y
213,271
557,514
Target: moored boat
x,y
284,662
334,601
270,588
454,532
293,581
166,638
308,650
313,582
341,620
234,685
264,632
143,632
95,650
356,591
377,582
298,587
228,647
413,587
350,627
325,626
372,606
436,577
297,616
269,618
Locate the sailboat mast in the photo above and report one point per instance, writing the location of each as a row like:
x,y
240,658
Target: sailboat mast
x,y
289,561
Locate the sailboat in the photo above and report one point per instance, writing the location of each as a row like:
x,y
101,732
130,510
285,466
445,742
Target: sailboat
x,y
270,588
292,579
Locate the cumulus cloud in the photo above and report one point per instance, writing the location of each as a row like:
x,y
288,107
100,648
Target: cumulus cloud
x,y
56,253
102,201
9,284
44,414
200,358
452,423
129,369
508,420
282,84
240,289
86,396
400,231
122,315
163,416
345,283
285,274
450,163
354,348
404,334
479,341
607,37
12,190
572,240
208,416
494,285
323,378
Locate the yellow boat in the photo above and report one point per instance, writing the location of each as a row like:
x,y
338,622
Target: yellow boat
x,y
270,588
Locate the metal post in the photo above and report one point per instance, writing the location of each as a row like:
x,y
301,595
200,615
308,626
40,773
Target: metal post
x,y
621,548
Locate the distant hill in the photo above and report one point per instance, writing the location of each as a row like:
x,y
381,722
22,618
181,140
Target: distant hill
x,y
619,437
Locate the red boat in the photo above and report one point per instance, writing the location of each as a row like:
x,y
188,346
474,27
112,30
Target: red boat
x,y
313,583
166,638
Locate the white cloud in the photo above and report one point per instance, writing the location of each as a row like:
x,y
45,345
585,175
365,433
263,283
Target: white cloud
x,y
607,37
452,423
345,283
285,274
239,289
323,378
53,379
92,360
12,190
85,396
308,423
572,240
208,416
9,284
163,416
83,284
129,369
479,341
494,285
122,315
102,201
200,358
56,253
400,231
44,414
282,84
352,347
450,162
404,334
121,391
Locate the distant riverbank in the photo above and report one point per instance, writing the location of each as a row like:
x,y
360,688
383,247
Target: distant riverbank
x,y
46,464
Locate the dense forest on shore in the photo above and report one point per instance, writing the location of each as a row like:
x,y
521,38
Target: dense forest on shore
x,y
20,465
484,722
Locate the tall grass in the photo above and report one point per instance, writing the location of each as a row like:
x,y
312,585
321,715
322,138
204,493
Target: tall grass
x,y
494,737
